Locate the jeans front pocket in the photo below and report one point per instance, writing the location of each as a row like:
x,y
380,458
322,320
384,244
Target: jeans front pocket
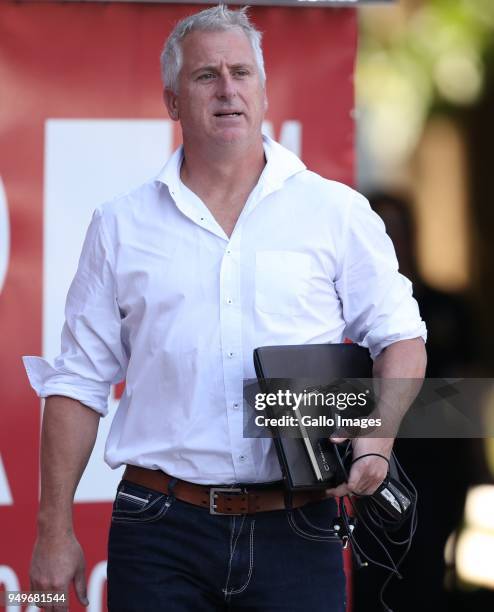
x,y
137,504
314,521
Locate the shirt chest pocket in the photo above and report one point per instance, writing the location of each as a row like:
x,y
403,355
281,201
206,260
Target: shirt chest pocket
x,y
282,280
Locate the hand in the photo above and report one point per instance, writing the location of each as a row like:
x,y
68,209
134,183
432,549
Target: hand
x,y
57,562
367,474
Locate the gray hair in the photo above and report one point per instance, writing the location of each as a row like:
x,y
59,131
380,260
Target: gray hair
x,y
216,19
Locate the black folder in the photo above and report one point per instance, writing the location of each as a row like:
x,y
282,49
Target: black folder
x,y
308,463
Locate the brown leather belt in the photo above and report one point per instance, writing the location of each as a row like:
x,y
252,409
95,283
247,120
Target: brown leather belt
x,y
222,499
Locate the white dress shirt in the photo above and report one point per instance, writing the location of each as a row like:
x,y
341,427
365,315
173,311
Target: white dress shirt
x,y
163,298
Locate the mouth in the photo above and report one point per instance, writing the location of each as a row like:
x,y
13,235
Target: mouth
x,y
231,114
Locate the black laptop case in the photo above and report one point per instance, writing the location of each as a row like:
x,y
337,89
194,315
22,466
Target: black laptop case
x,y
290,367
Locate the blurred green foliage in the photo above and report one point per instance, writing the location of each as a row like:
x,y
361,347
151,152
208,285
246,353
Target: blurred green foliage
x,y
440,49
416,57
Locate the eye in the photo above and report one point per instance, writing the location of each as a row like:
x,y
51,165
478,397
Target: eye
x,y
241,72
205,76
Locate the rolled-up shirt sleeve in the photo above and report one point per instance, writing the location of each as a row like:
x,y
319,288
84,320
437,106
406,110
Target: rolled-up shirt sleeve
x,y
378,306
92,354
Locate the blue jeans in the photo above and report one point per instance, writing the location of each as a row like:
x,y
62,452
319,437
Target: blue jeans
x,y
165,554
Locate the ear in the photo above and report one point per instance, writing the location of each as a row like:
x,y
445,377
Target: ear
x,y
265,102
171,102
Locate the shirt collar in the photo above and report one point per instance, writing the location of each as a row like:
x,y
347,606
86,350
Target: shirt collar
x,y
280,165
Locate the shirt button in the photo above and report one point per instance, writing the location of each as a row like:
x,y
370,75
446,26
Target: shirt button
x,y
242,458
231,354
228,252
235,405
229,301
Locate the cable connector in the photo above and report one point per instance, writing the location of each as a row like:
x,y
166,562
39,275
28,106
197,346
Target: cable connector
x,y
343,528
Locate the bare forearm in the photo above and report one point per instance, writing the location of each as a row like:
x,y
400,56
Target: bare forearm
x,y
403,359
398,374
68,435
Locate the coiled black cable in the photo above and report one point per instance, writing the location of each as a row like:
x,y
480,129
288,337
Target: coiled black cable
x,y
370,515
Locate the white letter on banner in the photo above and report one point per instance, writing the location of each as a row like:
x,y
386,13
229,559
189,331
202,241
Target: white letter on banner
x,y
290,135
9,580
5,493
95,588
118,154
4,235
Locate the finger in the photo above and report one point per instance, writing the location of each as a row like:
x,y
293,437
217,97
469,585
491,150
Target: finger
x,y
359,485
46,585
80,586
366,476
61,607
52,608
337,440
364,485
339,491
370,490
58,607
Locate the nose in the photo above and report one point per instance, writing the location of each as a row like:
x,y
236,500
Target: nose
x,y
226,86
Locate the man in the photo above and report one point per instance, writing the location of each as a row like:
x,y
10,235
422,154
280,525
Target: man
x,y
234,245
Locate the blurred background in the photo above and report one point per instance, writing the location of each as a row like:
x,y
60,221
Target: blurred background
x,y
425,127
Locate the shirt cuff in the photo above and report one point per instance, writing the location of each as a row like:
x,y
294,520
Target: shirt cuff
x,y
377,341
47,380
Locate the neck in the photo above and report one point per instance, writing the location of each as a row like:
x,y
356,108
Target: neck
x,y
228,169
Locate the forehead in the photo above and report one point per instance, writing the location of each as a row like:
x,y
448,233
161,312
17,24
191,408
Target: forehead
x,y
209,48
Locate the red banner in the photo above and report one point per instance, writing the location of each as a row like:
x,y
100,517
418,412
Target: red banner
x,y
81,119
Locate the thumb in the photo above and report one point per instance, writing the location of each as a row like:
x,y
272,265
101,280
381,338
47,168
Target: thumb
x,y
80,586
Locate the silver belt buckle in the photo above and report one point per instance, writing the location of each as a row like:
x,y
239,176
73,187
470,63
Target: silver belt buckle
x,y
213,494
